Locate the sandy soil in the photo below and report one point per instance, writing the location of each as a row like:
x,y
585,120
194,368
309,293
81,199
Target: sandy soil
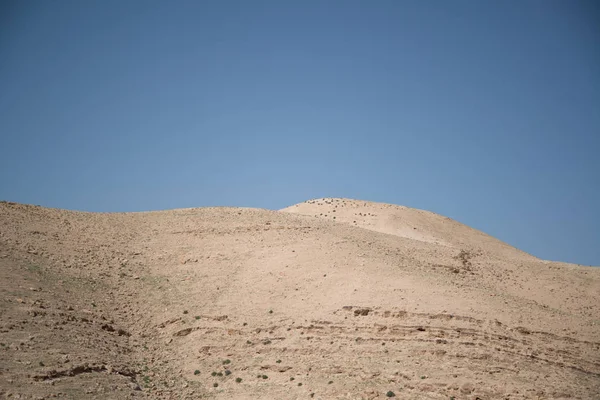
x,y
327,299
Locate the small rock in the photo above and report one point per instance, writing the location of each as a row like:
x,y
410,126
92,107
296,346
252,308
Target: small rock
x,y
183,332
467,388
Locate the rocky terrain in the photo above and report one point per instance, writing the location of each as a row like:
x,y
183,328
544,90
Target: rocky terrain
x,y
327,299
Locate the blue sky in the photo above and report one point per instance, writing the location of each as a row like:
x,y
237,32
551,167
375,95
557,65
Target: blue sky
x,y
484,111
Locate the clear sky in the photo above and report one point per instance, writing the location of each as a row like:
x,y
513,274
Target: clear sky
x,y
484,111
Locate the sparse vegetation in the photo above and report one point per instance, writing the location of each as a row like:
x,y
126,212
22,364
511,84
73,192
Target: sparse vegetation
x,y
225,362
185,311
278,361
227,372
215,384
238,380
265,377
390,394
197,372
465,259
33,268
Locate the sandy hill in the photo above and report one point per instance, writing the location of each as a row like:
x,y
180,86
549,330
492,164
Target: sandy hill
x,y
328,299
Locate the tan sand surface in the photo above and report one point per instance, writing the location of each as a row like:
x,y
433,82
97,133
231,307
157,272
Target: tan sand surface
x,y
327,299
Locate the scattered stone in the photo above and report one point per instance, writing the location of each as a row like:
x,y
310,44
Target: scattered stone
x,y
467,388
183,332
362,312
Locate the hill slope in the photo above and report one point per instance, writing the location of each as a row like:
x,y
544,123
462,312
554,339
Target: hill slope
x,y
152,304
405,222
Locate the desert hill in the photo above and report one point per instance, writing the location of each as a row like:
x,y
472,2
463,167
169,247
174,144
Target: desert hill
x,y
243,303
